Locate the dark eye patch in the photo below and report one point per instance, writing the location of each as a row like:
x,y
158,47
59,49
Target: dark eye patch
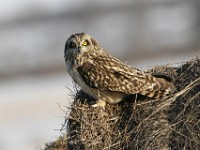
x,y
88,43
72,45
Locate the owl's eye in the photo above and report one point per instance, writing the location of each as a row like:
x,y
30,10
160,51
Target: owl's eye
x,y
72,45
85,43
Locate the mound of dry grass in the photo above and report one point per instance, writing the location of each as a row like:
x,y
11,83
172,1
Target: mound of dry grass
x,y
139,122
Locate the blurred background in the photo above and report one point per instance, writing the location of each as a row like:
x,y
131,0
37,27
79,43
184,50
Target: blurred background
x,y
33,79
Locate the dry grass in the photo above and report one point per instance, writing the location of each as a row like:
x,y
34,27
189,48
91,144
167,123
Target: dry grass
x,y
139,122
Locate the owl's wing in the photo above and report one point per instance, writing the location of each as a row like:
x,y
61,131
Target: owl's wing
x,y
108,73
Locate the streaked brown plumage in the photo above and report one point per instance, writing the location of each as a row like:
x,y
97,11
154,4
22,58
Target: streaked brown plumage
x,y
106,78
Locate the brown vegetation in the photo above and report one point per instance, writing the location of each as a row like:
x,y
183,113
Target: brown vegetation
x,y
139,122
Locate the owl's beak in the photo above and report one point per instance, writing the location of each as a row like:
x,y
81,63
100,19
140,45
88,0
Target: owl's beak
x,y
79,49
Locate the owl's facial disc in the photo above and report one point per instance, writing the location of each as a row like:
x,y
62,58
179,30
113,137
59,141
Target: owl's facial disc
x,y
79,44
77,47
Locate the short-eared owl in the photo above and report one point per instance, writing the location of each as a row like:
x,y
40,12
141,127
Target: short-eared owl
x,y
106,78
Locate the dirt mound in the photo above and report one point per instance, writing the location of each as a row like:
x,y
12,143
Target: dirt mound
x,y
139,122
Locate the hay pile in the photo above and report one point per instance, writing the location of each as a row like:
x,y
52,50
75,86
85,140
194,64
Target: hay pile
x,y
139,122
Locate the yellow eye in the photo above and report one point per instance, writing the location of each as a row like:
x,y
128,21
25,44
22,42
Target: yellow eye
x,y
85,43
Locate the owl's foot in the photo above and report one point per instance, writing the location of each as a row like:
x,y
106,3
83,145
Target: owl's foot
x,y
100,103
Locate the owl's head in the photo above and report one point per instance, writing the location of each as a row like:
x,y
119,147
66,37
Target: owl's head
x,y
80,43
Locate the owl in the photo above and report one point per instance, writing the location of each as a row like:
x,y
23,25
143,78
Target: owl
x,y
106,78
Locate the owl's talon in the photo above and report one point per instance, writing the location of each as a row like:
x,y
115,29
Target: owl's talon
x,y
100,103
95,105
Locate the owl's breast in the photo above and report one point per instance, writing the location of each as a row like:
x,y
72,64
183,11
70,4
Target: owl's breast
x,y
78,79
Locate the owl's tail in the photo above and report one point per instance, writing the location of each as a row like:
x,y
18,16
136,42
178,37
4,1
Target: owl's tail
x,y
158,86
